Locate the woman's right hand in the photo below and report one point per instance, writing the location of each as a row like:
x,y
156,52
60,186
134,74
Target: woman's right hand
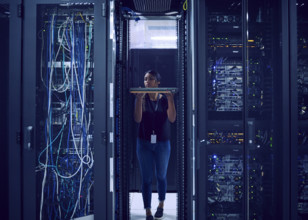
x,y
140,95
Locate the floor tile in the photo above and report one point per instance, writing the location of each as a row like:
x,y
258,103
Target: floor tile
x,y
137,211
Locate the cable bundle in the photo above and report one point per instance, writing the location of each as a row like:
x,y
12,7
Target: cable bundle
x,y
65,162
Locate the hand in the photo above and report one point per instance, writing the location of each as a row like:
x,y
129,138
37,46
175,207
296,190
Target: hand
x,y
169,96
140,95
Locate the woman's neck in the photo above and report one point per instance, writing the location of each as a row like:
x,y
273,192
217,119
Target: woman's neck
x,y
153,96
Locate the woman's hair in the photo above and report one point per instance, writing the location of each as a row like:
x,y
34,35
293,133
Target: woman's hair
x,y
155,74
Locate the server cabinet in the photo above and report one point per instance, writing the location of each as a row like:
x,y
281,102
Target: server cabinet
x,y
64,110
10,26
4,62
242,96
299,66
136,53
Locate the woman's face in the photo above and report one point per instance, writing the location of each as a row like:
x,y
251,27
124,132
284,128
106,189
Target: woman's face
x,y
150,81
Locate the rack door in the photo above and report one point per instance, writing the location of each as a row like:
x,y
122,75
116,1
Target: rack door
x,y
10,62
266,133
241,132
64,110
302,115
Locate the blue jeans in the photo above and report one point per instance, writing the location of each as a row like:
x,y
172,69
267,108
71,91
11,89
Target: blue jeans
x,y
150,155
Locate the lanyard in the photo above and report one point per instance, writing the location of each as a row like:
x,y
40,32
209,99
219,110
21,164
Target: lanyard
x,y
154,111
156,106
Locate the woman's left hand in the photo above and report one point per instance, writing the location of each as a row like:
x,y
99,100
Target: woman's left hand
x,y
169,96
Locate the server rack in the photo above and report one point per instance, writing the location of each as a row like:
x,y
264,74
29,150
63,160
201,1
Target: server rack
x,y
11,27
244,72
4,62
130,66
64,92
287,185
298,70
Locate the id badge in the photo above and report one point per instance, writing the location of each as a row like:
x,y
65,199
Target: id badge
x,y
153,138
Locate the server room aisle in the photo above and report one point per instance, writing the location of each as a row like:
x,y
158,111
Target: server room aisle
x,y
137,211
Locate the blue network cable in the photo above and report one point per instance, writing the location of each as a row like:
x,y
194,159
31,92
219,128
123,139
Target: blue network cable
x,y
67,187
131,12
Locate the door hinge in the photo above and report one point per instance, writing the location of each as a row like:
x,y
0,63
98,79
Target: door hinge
x,y
104,9
28,138
20,11
104,137
18,137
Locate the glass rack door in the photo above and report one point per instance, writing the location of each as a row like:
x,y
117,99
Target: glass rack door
x,y
263,86
65,111
302,110
244,126
225,134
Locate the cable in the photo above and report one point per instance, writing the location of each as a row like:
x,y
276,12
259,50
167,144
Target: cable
x,y
71,168
185,5
133,14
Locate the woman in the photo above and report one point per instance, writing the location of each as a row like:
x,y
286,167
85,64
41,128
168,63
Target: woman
x,y
153,112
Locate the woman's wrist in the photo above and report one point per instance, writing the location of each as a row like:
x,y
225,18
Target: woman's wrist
x,y
170,99
139,98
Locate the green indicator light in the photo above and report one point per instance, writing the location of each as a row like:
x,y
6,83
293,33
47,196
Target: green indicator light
x,y
271,138
271,145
